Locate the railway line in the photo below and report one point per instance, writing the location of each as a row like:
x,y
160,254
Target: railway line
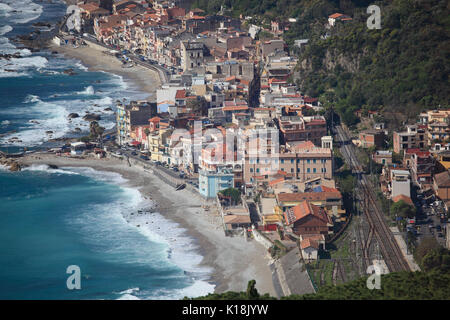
x,y
389,248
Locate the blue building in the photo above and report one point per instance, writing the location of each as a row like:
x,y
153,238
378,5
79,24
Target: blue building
x,y
210,183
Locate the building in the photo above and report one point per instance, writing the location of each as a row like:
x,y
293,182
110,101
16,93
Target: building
x,y
400,183
268,213
383,157
413,137
306,218
297,128
128,117
301,164
441,185
210,183
191,55
329,199
372,138
310,245
338,17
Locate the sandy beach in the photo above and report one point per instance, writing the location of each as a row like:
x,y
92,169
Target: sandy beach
x,y
94,59
234,259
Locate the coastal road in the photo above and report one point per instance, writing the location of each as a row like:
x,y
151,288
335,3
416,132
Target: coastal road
x,y
164,74
390,250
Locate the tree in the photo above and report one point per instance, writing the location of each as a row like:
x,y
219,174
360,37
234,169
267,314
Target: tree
x,y
252,293
234,193
426,245
403,209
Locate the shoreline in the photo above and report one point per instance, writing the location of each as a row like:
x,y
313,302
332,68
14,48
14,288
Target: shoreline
x,y
144,80
234,260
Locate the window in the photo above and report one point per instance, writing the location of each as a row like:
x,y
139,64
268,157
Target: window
x,y
292,170
298,169
314,161
308,170
251,170
314,170
257,170
292,160
308,161
282,160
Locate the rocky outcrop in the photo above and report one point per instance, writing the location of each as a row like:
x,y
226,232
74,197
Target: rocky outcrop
x,y
91,117
73,115
10,163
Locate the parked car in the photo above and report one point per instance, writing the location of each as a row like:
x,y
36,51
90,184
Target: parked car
x,y
158,163
175,169
440,235
144,158
134,153
438,228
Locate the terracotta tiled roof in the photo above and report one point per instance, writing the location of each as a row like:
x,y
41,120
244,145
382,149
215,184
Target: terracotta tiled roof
x,y
306,243
402,197
308,196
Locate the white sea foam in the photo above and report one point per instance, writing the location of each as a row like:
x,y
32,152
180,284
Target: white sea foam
x,y
5,29
176,247
87,91
46,168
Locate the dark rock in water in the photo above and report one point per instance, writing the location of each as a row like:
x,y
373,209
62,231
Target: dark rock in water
x,y
91,117
69,71
108,109
52,166
73,115
77,130
49,132
54,52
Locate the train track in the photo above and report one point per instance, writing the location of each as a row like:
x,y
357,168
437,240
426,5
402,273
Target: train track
x,y
389,248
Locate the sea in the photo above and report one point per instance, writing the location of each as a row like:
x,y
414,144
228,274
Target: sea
x,y
52,219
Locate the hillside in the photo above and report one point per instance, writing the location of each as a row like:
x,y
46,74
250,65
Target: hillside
x,y
433,285
402,67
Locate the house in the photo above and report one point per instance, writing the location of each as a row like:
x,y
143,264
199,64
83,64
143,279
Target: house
x,y
400,183
441,185
269,216
336,17
383,157
210,183
372,138
306,218
329,199
413,137
310,245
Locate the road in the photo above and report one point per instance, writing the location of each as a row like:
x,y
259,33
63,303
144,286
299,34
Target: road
x,y
390,250
164,74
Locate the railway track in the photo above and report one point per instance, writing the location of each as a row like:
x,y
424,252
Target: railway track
x,y
390,250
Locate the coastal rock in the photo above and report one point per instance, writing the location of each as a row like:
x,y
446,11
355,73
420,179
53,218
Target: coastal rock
x,y
91,117
77,129
73,115
69,71
107,109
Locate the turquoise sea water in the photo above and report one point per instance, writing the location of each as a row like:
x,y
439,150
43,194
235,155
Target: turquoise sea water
x,y
51,219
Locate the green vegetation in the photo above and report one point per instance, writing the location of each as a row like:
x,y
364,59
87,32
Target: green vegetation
x,y
401,68
403,285
402,209
234,193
